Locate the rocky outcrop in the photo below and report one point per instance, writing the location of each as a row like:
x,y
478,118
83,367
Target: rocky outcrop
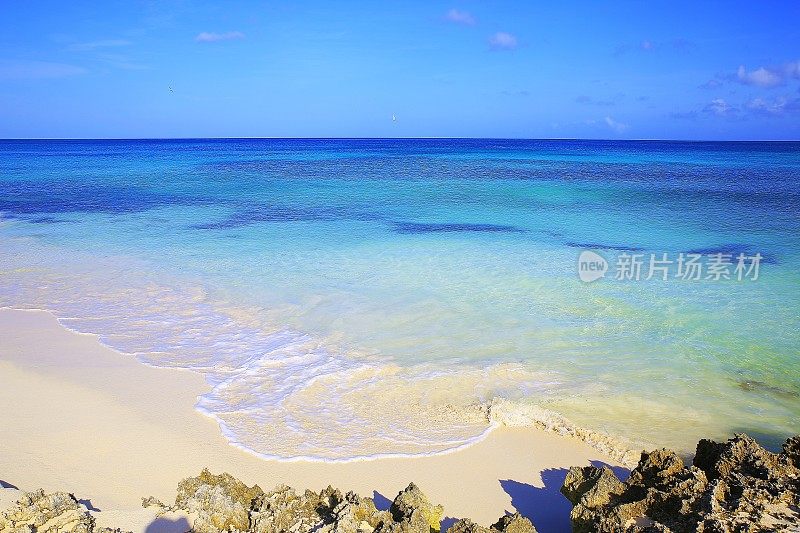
x,y
412,506
222,503
219,503
514,523
732,486
283,510
59,512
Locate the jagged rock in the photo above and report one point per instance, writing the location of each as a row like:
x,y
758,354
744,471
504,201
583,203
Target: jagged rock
x,y
731,486
282,510
791,449
465,525
222,503
153,502
590,486
356,515
219,503
740,454
416,523
658,466
412,506
514,523
37,512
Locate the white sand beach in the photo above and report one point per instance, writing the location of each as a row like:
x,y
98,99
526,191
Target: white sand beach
x,y
80,417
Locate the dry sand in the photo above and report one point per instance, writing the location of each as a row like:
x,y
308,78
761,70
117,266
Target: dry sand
x,y
80,417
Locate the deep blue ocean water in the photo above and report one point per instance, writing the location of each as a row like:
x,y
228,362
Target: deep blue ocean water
x,y
352,298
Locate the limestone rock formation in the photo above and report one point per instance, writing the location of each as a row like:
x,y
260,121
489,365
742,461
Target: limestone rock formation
x,y
222,503
791,449
328,511
412,506
514,523
732,486
59,512
219,503
465,525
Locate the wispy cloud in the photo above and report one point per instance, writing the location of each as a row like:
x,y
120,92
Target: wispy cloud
x,y
503,41
765,77
769,76
22,69
618,127
120,61
108,52
713,83
211,37
761,77
94,45
720,108
775,107
460,17
648,45
687,115
605,102
778,107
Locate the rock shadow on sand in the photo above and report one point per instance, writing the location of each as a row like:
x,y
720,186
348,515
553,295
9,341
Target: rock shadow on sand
x,y
545,506
167,525
86,502
382,503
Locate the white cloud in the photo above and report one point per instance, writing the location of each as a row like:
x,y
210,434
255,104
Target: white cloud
x,y
460,17
21,69
94,45
759,105
713,83
761,77
211,37
719,107
503,41
764,77
777,107
618,127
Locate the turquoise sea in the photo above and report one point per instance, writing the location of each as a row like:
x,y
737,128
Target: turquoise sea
x,y
359,298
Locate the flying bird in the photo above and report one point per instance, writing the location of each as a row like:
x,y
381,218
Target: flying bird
x,y
170,88
394,118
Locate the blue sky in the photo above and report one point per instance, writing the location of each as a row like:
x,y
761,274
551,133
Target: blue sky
x,y
675,70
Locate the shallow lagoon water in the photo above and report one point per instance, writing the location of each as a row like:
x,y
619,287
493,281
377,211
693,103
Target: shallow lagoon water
x,y
358,298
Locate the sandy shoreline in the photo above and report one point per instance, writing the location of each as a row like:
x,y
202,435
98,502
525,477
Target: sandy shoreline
x,y
80,417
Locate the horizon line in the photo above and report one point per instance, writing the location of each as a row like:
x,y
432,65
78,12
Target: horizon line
x,y
653,139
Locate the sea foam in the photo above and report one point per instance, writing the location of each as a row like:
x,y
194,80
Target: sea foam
x,y
276,392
